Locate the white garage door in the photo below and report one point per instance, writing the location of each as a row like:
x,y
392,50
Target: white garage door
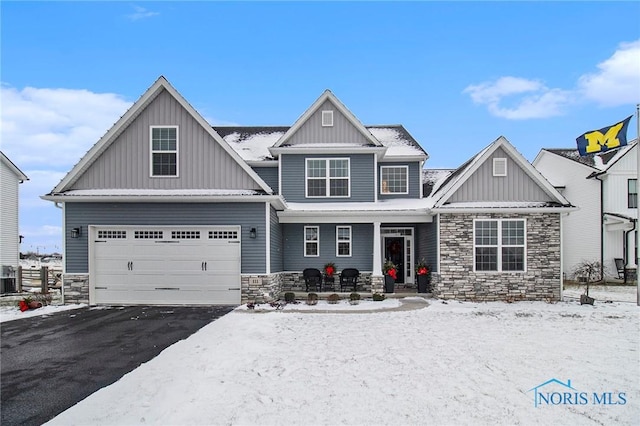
x,y
165,265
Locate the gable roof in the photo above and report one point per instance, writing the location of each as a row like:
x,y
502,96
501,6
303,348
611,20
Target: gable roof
x,y
253,142
600,162
136,109
327,95
456,179
5,160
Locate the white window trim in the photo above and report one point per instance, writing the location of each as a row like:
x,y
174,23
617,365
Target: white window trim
x,y
317,242
151,151
406,172
499,167
499,246
327,178
629,193
350,241
327,118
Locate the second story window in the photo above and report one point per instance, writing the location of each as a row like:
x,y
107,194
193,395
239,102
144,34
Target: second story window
x,y
164,151
327,177
632,193
393,180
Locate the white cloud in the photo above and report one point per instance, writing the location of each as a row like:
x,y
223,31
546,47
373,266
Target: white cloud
x,y
54,127
617,81
141,13
534,99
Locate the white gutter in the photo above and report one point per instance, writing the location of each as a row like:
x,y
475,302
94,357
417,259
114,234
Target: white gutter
x,y
276,200
505,210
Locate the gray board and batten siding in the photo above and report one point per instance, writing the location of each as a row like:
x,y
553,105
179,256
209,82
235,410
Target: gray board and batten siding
x,y
202,162
342,131
293,178
414,179
361,247
246,215
516,186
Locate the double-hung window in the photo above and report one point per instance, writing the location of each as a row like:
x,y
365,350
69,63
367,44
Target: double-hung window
x,y
327,177
393,179
343,241
311,241
499,245
632,193
164,151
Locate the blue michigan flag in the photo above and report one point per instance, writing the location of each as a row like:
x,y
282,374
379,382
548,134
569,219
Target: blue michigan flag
x,y
602,140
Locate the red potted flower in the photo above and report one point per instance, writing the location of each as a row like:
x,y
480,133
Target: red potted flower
x,y
329,269
390,275
424,276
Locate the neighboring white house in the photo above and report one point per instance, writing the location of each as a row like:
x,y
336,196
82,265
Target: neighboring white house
x,y
604,187
10,177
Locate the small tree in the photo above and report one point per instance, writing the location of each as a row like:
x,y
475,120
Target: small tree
x,y
590,270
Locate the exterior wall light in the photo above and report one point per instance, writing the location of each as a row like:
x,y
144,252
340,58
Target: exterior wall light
x,y
75,232
253,232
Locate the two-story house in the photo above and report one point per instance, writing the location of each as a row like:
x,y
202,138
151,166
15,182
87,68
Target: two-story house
x,y
604,187
10,178
166,209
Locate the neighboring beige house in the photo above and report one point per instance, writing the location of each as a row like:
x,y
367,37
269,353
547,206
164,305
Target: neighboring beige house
x,y
604,187
10,178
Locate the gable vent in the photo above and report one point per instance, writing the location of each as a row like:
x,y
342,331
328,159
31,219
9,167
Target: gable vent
x,y
327,118
499,166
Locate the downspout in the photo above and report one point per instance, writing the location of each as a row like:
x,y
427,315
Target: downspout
x,y
625,243
64,247
601,226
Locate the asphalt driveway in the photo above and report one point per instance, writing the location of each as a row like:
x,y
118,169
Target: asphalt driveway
x,y
50,363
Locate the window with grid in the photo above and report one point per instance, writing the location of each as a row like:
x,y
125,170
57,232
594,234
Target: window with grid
x,y
164,151
343,241
499,245
311,241
394,180
327,177
632,193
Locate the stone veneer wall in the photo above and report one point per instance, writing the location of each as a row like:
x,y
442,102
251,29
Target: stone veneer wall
x,y
293,281
268,288
75,288
457,280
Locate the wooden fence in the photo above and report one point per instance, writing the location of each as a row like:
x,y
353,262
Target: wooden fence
x,y
42,278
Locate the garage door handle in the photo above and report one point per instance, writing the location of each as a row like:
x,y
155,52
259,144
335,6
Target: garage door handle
x,y
167,288
236,288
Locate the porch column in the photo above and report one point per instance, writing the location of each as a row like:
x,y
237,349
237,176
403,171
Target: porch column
x,y
377,251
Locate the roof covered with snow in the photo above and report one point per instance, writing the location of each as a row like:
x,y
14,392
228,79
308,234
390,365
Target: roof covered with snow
x,y
600,161
252,143
433,178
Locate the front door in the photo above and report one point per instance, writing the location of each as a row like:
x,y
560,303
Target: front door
x,y
394,251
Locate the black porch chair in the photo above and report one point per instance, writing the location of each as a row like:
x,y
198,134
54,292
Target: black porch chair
x,y
312,277
349,278
624,273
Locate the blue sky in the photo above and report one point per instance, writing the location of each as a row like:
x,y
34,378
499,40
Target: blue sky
x,y
457,75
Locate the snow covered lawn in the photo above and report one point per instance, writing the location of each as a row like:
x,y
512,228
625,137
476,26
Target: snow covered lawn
x,y
453,363
10,313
